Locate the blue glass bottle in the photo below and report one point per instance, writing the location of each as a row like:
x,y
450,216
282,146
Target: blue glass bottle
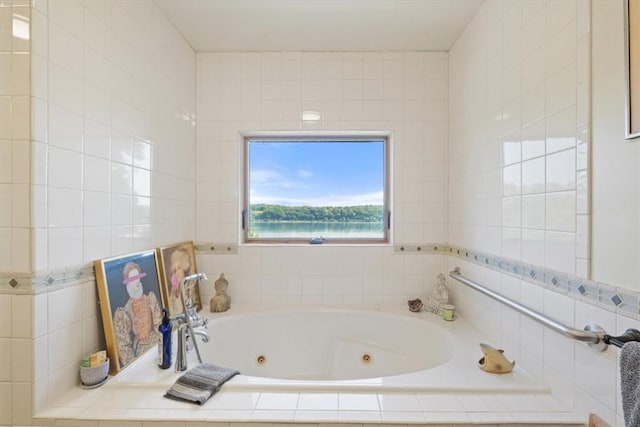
x,y
164,353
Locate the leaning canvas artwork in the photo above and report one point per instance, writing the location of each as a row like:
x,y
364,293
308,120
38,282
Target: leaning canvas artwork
x,y
176,262
131,305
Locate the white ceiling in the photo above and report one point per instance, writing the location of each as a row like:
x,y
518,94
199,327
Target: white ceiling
x,y
342,25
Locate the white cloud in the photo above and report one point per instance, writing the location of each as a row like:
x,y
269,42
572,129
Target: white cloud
x,y
271,178
341,200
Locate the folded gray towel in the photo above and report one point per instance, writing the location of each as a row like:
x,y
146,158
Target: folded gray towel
x,y
630,382
198,384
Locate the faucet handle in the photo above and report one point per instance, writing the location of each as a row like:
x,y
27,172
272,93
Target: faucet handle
x,y
200,321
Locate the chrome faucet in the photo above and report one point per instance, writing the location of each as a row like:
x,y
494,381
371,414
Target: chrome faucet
x,y
183,345
189,319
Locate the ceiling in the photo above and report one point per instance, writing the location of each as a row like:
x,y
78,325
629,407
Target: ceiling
x,y
336,25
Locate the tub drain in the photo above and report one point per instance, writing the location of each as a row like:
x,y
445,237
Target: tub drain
x,y
261,360
366,359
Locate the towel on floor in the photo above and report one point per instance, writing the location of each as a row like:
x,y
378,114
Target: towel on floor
x,y
198,384
630,382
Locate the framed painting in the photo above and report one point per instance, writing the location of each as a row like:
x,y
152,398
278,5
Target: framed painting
x,y
176,262
130,298
632,69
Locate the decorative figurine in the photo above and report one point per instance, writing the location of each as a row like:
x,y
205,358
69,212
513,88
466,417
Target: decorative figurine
x,y
494,360
220,301
415,305
438,297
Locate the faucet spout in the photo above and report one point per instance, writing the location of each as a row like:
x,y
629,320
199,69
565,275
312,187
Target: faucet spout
x,y
196,276
202,334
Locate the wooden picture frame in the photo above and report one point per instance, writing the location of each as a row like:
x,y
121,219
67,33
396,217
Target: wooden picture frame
x,y
632,67
130,298
177,261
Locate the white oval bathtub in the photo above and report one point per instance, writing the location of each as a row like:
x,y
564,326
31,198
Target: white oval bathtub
x,y
337,350
324,344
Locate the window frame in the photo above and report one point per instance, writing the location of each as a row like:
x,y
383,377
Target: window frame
x,y
316,136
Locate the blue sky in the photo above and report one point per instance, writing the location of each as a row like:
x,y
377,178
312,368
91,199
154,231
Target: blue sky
x,y
316,173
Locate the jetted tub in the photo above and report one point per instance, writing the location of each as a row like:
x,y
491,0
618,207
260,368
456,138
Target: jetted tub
x,y
339,350
327,344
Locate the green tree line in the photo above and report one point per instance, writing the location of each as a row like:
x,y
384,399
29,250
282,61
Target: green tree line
x,y
278,213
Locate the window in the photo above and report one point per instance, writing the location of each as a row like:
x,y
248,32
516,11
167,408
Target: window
x,y
316,188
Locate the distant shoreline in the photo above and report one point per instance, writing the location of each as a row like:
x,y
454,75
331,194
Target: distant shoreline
x,y
364,214
314,222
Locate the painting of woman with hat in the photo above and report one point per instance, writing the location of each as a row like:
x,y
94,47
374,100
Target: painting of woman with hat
x,y
136,323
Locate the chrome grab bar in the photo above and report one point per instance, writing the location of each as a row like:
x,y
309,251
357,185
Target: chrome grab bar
x,y
592,334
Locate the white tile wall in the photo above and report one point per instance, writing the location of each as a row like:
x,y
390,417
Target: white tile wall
x,y
77,105
544,68
15,116
97,129
401,92
539,140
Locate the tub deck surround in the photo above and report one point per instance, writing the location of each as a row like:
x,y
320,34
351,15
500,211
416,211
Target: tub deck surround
x,y
456,392
90,407
456,371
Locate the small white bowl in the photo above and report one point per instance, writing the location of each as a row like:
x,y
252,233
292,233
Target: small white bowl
x,y
95,374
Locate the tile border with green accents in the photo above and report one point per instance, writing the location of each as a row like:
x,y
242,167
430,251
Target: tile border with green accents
x,y
619,300
24,283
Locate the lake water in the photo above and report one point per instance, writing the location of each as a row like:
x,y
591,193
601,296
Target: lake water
x,y
307,230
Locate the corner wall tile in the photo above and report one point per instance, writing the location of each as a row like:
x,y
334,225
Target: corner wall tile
x,y
40,311
22,360
5,316
20,117
5,36
22,407
22,316
40,358
6,402
64,307
6,359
